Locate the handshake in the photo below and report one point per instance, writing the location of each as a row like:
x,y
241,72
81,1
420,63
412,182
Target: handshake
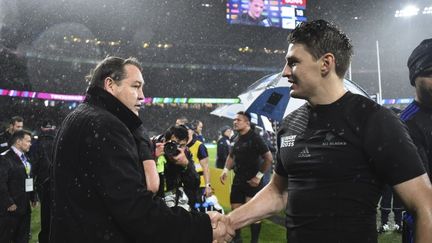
x,y
223,230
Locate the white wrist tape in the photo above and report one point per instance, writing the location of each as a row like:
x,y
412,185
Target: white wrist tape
x,y
259,175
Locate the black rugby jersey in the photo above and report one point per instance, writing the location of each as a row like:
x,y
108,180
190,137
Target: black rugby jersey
x,y
336,158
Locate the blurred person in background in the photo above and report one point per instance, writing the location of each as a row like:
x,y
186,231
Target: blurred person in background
x,y
418,115
145,151
390,202
179,179
41,158
16,190
336,152
245,159
98,176
16,123
201,159
197,126
181,121
223,146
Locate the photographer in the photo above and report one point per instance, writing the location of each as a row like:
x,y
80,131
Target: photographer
x,y
179,180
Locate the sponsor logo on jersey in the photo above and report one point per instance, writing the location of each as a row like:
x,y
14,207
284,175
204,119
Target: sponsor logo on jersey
x,y
304,153
332,140
287,141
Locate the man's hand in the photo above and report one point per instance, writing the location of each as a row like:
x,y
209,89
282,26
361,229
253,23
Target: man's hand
x,y
34,204
223,176
159,149
12,208
222,230
254,182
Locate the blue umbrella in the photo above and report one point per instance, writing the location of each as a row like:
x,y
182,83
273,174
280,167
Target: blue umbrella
x,y
270,96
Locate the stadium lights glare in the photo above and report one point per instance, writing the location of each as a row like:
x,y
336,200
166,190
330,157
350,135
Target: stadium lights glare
x,y
407,12
427,10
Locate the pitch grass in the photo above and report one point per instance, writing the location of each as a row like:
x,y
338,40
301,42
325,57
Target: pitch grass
x,y
270,232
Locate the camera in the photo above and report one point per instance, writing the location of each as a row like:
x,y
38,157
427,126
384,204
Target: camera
x,y
171,149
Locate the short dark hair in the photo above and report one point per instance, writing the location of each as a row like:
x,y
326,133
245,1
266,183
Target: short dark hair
x,y
321,37
16,119
246,114
194,124
18,135
180,132
183,119
112,67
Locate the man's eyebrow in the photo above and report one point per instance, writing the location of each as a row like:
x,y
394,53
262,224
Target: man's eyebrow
x,y
291,58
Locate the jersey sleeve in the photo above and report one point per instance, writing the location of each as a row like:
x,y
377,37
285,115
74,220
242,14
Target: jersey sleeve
x,y
261,146
391,149
279,169
202,152
419,139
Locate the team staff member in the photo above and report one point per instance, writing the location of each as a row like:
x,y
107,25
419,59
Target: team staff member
x,y
223,147
41,158
98,177
336,152
16,190
200,158
245,160
15,124
418,114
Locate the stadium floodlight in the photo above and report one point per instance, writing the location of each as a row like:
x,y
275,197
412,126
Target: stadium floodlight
x,y
408,11
427,10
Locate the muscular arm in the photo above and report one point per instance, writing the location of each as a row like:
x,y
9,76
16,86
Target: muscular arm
x,y
270,200
205,167
417,197
229,164
151,175
268,158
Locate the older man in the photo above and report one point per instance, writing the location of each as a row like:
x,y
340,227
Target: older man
x,y
98,175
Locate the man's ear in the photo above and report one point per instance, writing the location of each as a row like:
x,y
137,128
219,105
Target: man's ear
x,y
328,62
108,84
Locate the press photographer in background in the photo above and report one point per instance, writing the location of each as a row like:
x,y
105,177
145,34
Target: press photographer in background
x,y
179,181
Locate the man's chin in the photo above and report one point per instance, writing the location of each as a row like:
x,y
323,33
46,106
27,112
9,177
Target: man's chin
x,y
296,95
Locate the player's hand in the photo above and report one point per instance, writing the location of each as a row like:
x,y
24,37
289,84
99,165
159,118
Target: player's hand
x,y
12,208
254,182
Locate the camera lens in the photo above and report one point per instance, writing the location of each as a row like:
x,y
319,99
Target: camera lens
x,y
171,149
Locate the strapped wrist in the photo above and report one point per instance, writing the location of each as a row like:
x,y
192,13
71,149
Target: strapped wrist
x,y
259,175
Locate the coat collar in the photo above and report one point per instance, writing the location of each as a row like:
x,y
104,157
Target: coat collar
x,y
101,98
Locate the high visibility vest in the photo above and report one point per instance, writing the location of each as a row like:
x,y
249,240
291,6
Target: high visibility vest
x,y
194,151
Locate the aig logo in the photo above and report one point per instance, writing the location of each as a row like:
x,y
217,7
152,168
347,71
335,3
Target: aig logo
x,y
287,141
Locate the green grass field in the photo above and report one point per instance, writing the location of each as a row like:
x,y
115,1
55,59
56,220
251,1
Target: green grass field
x,y
270,232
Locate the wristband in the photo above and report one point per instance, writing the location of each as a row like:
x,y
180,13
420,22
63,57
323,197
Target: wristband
x,y
259,175
225,170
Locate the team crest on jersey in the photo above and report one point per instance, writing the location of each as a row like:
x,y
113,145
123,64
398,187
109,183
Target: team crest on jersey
x,y
287,141
332,140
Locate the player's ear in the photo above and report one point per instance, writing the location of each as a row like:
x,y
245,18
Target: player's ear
x,y
327,63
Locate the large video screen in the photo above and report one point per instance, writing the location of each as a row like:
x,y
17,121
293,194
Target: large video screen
x,y
286,14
